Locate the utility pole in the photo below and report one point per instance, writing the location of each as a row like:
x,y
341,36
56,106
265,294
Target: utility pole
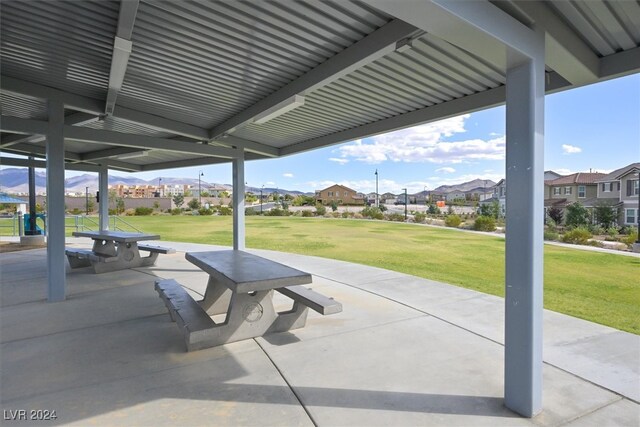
x,y
377,197
261,190
200,174
405,204
86,199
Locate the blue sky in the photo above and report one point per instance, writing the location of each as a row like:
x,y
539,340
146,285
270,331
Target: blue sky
x,y
594,127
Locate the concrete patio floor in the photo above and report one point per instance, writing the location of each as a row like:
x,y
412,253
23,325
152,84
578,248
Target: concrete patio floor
x,y
405,351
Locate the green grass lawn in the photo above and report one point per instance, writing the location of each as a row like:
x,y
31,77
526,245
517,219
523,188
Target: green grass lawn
x,y
599,287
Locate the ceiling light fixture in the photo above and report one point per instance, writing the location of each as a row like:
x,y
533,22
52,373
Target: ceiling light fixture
x,y
279,109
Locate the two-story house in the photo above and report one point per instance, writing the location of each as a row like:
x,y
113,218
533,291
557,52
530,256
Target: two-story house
x,y
578,187
620,187
339,194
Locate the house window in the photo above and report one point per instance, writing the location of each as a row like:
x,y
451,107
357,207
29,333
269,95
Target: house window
x,y
556,191
607,186
582,191
346,194
630,216
632,187
567,190
330,194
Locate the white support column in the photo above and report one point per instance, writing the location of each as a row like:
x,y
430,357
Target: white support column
x,y
524,236
238,202
103,205
55,203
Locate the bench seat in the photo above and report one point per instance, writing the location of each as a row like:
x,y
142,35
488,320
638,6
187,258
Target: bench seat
x,y
85,256
193,321
156,249
315,301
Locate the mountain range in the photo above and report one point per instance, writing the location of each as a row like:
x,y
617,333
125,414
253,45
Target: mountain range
x,y
16,180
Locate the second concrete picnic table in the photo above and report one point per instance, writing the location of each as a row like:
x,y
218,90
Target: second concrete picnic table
x,y
114,250
242,286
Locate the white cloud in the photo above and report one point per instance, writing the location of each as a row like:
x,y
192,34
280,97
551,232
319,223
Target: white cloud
x,y
422,144
446,170
339,160
270,183
287,175
570,149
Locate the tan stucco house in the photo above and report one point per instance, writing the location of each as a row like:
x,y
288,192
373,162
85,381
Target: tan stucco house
x,y
340,194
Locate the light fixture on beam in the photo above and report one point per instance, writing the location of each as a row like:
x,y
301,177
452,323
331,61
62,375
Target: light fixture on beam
x,y
132,155
404,45
277,110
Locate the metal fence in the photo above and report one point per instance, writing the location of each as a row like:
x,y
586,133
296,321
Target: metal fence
x,y
11,226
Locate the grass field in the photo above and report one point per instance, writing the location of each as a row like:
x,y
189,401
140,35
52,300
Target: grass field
x,y
602,288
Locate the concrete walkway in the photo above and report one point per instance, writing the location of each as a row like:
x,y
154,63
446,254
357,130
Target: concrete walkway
x,y
405,351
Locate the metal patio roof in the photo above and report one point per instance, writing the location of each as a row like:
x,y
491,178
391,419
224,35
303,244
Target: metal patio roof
x,y
185,80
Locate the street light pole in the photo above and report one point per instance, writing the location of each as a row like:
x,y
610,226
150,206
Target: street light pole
x,y
86,199
638,213
261,190
425,195
159,194
377,197
405,204
200,174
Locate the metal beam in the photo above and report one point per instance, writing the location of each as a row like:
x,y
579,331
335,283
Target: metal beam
x,y
145,142
620,64
370,48
566,53
94,106
106,153
195,162
476,26
19,162
250,146
77,119
23,126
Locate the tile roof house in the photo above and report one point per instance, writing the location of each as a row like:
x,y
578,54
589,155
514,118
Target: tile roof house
x,y
620,187
577,187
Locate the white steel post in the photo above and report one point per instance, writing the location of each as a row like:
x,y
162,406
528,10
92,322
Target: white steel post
x,y
103,205
238,202
55,203
524,235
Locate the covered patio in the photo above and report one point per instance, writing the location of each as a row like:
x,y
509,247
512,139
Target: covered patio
x,y
149,85
405,351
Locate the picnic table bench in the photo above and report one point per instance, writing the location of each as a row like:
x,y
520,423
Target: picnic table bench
x,y
240,285
115,250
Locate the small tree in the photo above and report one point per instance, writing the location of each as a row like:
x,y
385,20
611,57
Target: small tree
x,y
334,205
156,205
194,204
605,214
178,200
577,215
119,205
556,214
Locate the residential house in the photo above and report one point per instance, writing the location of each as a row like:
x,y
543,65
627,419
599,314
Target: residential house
x,y
388,198
577,187
620,188
339,194
551,175
455,196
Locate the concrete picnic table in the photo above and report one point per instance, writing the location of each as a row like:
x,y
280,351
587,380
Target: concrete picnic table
x,y
242,286
114,250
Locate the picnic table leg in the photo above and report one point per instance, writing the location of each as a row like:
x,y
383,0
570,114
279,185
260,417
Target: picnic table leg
x,y
293,319
104,247
217,298
250,315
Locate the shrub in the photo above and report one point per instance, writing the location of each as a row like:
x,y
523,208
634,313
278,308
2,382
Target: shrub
x,y
250,212
577,215
194,204
176,211
550,235
419,217
394,217
358,215
577,236
372,212
556,214
77,211
485,223
130,212
225,210
452,220
143,211
630,238
307,213
320,210
204,211
334,205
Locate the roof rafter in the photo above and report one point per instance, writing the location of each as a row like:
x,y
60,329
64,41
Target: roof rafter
x,y
77,119
121,51
94,106
370,48
565,52
476,26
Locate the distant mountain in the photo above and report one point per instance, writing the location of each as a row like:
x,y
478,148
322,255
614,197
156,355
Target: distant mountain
x,y
466,186
16,180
